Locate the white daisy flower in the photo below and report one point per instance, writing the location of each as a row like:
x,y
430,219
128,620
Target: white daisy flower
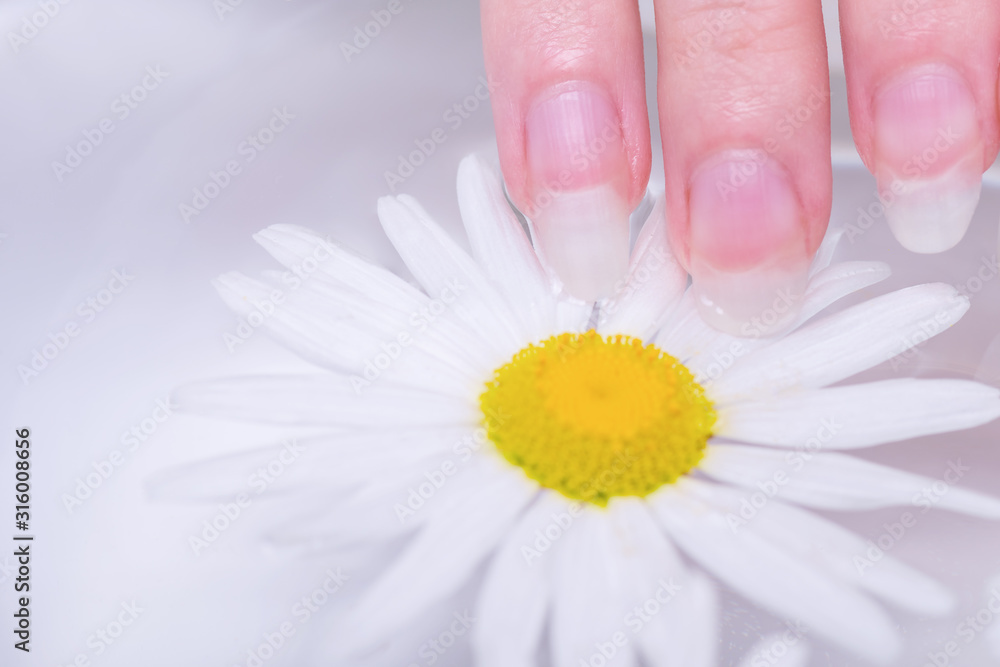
x,y
602,469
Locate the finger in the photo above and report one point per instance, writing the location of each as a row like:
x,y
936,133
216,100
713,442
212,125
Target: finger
x,y
922,91
572,129
745,120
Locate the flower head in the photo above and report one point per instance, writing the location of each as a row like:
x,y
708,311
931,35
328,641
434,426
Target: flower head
x,y
573,452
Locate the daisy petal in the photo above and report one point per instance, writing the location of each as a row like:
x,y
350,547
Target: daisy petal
x,y
447,273
835,282
479,507
368,522
501,247
710,353
588,596
841,482
844,344
514,598
654,285
336,343
307,463
817,540
697,617
327,400
448,341
294,246
772,578
674,614
861,415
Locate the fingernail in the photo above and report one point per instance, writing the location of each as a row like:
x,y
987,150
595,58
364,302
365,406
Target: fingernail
x,y
578,185
928,155
749,259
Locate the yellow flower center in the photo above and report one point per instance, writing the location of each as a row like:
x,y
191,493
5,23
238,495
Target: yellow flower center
x,y
595,417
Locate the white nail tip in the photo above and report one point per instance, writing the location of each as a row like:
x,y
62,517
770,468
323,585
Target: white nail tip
x,y
753,304
929,216
583,237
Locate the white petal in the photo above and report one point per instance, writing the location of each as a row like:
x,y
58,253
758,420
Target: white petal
x,y
448,274
838,481
305,463
361,518
511,610
502,248
293,246
830,546
835,282
327,399
772,578
367,296
654,285
697,617
778,649
338,343
676,624
860,415
709,353
589,596
439,336
846,343
479,507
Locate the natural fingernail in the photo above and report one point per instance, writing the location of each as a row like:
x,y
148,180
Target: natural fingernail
x,y
928,157
749,258
578,184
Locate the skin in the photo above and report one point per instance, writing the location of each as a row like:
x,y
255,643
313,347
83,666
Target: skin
x,y
737,75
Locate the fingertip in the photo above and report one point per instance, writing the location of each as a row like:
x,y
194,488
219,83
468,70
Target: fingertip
x,y
572,129
748,242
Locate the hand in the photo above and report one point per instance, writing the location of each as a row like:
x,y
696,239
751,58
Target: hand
x,y
743,101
